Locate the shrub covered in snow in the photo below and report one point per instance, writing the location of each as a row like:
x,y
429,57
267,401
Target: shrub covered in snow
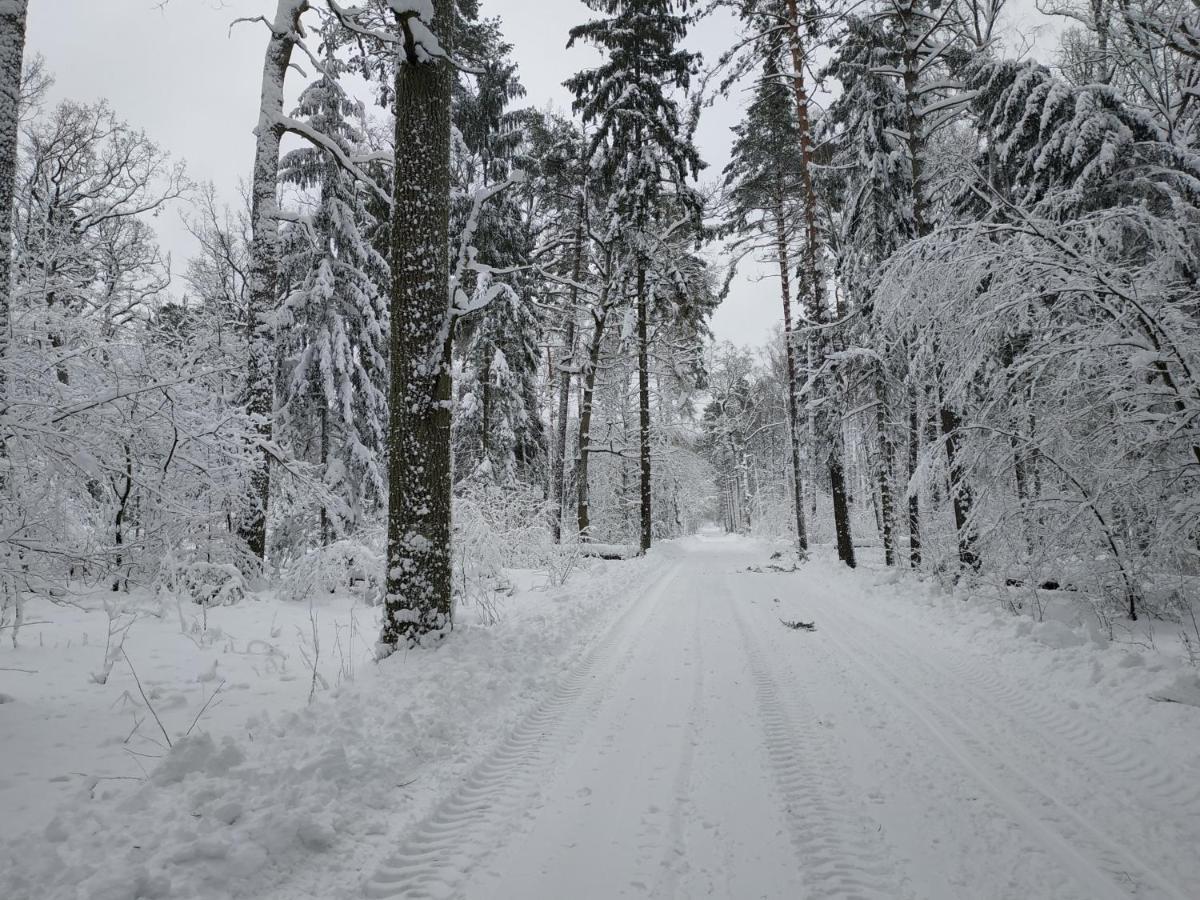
x,y
203,583
351,567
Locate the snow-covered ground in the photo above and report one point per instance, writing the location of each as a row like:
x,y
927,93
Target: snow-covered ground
x,y
650,730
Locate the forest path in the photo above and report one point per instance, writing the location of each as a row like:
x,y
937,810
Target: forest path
x,y
702,749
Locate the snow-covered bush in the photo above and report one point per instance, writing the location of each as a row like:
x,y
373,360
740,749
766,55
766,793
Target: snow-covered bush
x,y
351,567
201,582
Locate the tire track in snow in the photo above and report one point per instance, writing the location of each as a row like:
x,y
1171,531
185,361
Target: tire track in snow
x,y
841,855
674,863
1095,859
1174,794
479,816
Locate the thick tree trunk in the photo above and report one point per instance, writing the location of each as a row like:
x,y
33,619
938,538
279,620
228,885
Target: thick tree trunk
x,y
960,491
559,469
485,416
558,474
789,344
418,604
585,425
12,53
643,335
884,473
122,496
326,535
914,502
841,510
264,266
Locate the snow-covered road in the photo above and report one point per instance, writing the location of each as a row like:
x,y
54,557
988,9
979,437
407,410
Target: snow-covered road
x,y
702,749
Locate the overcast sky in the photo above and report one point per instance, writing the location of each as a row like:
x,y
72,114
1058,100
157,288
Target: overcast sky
x,y
192,83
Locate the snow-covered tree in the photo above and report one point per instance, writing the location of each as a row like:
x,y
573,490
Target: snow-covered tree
x,y
764,184
333,321
12,54
644,153
418,596
265,255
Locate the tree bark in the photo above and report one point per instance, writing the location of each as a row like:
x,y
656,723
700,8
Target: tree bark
x,y
264,266
884,474
781,252
559,468
585,416
12,53
914,502
961,497
418,604
643,335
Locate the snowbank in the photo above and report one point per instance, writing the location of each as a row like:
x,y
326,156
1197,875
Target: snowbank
x,y
266,787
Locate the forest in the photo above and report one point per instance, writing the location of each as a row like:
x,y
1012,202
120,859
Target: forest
x,y
440,315
421,515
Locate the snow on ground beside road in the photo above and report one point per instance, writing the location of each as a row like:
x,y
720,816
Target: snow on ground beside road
x,y
265,782
652,731
64,736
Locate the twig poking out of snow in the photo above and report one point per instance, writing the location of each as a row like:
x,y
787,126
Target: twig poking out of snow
x,y
204,709
145,699
798,625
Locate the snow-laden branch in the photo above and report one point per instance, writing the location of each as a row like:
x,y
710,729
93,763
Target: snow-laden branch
x,y
330,146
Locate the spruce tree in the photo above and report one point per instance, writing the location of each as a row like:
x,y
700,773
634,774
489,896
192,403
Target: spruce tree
x,y
763,180
864,126
643,149
335,317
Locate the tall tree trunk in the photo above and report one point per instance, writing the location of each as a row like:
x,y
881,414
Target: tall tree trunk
x,y
816,286
914,501
264,265
583,512
12,53
326,537
419,604
789,344
961,497
122,495
841,505
643,335
485,417
884,473
559,468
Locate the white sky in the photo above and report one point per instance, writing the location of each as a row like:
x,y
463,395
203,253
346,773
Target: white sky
x,y
180,73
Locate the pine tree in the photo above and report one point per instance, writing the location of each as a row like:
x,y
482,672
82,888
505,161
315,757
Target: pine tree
x,y
644,150
864,124
922,34
763,178
335,315
498,433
